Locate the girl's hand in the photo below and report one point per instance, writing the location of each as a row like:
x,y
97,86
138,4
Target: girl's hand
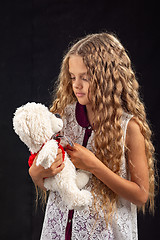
x,y
81,157
38,173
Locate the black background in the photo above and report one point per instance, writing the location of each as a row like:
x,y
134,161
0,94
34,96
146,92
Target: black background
x,y
34,36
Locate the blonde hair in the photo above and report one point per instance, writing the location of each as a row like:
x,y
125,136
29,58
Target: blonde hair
x,y
114,89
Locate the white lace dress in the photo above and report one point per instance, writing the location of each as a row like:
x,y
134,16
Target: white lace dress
x,y
123,226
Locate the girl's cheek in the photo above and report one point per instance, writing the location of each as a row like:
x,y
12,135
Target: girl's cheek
x,y
89,95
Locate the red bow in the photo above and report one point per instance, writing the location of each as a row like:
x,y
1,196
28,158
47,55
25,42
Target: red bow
x,y
31,158
33,155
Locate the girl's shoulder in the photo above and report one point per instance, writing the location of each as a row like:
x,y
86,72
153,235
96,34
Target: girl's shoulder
x,y
134,132
132,123
69,112
126,117
70,107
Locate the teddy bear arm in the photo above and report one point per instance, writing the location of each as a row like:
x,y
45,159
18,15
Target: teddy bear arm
x,y
47,154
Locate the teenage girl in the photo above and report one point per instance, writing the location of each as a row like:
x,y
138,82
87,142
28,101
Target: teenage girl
x,y
98,99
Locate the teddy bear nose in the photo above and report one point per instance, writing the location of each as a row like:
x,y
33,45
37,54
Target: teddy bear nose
x,y
57,115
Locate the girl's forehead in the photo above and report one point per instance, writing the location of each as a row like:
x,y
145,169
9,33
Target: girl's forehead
x,y
76,65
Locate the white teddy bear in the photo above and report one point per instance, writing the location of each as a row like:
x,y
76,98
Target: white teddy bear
x,y
36,126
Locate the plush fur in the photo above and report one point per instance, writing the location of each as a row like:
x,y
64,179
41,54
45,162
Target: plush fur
x,y
35,125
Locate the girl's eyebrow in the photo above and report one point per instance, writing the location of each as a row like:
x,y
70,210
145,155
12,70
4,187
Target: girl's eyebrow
x,y
84,73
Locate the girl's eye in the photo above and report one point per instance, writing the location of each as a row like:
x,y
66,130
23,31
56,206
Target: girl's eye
x,y
72,77
85,77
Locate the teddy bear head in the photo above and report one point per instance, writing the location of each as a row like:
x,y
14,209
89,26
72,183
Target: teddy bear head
x,y
35,125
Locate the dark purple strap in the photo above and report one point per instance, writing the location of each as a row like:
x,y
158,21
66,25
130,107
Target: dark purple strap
x,y
87,134
68,233
69,225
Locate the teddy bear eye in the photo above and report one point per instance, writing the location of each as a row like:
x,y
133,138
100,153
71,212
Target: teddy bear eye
x,y
57,115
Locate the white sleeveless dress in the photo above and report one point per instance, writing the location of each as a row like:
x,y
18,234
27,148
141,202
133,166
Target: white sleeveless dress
x,y
123,226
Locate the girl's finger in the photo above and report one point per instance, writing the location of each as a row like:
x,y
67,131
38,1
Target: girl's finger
x,y
54,169
59,157
69,147
60,168
58,163
59,151
69,152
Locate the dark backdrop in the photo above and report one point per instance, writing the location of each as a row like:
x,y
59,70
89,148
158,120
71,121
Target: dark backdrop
x,y
34,36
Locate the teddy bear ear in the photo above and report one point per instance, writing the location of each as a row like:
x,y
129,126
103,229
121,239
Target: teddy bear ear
x,y
17,120
20,125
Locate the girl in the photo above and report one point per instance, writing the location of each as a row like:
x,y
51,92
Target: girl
x,y
98,98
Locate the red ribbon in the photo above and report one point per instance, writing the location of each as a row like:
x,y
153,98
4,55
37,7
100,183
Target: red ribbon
x,y
31,159
33,155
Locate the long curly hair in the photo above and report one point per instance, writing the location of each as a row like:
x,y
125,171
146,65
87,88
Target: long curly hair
x,y
114,89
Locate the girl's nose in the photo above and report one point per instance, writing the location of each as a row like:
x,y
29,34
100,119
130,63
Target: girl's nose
x,y
77,84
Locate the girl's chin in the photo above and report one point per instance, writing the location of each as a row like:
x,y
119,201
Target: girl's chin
x,y
83,102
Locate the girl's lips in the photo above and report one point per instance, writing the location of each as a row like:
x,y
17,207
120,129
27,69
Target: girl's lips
x,y
80,94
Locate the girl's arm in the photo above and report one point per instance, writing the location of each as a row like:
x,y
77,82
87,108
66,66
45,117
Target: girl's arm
x,y
136,190
38,173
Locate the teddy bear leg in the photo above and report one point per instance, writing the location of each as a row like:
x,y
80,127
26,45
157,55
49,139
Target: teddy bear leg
x,y
75,198
65,183
82,178
69,191
82,201
50,184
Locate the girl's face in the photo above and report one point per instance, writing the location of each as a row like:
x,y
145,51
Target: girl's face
x,y
80,79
